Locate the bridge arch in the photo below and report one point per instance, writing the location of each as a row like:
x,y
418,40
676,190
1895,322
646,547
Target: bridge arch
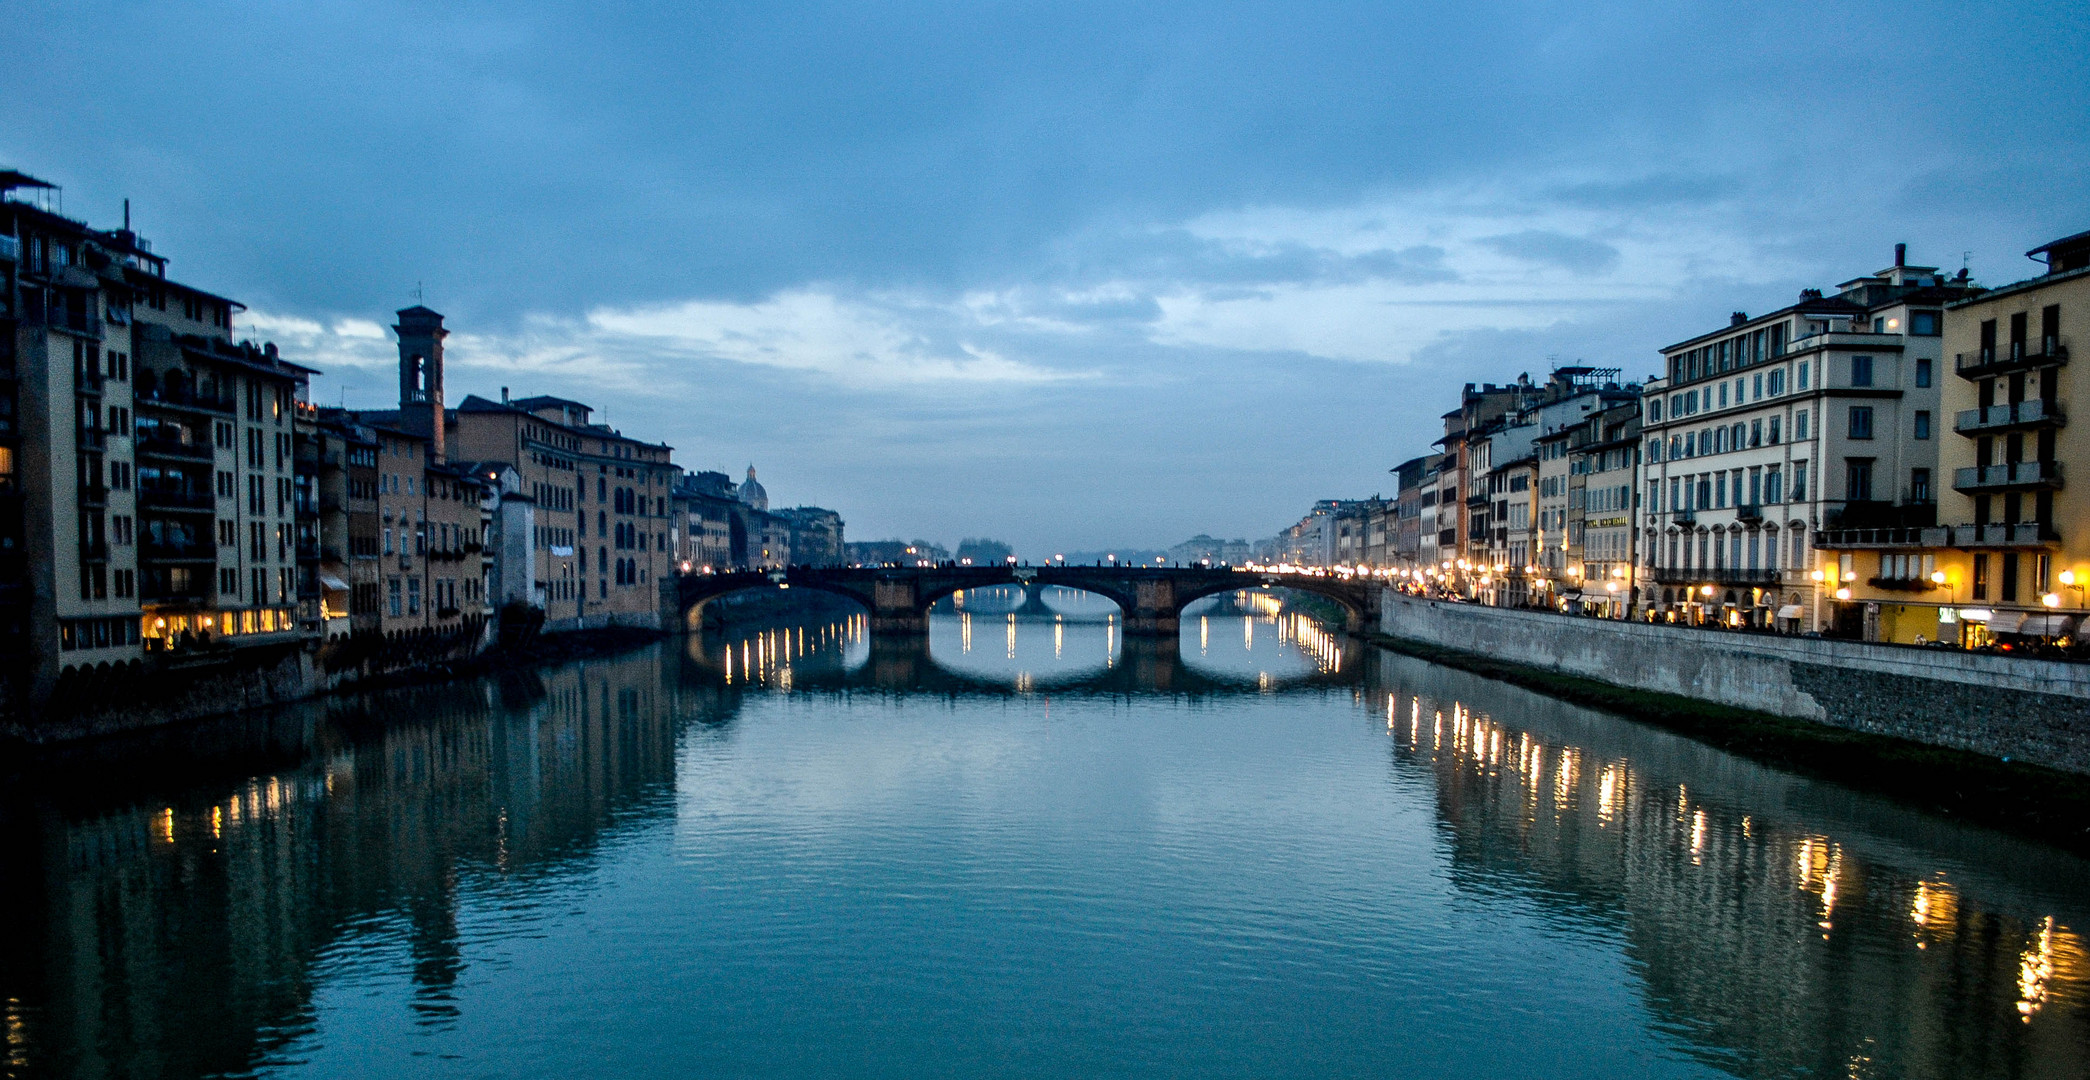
x,y
697,591
1359,602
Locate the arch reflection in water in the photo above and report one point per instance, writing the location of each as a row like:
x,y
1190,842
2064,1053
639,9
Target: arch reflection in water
x,y
1025,650
1273,645
776,654
1780,928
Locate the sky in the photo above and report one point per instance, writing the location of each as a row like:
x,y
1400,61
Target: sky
x,y
1070,275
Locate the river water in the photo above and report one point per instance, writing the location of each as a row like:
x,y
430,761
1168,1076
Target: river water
x,y
1026,848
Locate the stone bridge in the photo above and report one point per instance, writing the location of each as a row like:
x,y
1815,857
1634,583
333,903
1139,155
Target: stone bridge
x,y
1150,599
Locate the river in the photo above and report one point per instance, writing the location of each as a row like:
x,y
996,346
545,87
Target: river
x,y
1026,847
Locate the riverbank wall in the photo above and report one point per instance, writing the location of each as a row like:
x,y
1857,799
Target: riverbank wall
x,y
2011,708
145,697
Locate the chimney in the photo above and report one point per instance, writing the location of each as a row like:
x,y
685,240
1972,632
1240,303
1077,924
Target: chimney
x,y
1738,318
504,395
421,337
1901,254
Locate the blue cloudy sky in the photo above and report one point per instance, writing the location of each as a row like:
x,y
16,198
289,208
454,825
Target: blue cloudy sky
x,y
1068,274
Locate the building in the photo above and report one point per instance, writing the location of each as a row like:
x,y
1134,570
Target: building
x,y
1405,543
2009,554
1820,415
148,477
814,535
1603,458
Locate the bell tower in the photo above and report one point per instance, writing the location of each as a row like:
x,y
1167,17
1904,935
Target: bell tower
x,y
421,337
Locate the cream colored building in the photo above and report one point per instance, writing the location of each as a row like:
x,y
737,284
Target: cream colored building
x,y
2010,552
1822,415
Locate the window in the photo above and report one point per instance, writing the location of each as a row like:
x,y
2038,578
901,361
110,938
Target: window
x,y
1861,371
1923,371
413,596
1654,409
1919,485
1771,434
1923,423
1981,575
2008,577
1801,381
1925,324
1799,425
1857,479
1773,484
392,596
1799,488
1723,395
1861,422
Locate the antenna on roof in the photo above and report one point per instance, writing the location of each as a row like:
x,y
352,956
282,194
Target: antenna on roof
x,y
418,299
126,215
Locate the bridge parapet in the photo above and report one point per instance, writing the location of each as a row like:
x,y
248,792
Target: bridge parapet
x,y
1150,599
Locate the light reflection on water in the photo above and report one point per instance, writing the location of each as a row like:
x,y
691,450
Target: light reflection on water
x,y
791,849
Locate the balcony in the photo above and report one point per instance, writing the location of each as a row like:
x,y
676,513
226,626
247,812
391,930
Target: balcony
x,y
183,398
304,505
1905,537
1674,575
308,550
2004,477
93,495
165,499
1683,517
1914,585
94,551
1749,512
1988,362
2023,534
2004,417
197,552
161,446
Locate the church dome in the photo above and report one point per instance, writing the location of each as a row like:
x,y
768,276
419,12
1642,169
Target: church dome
x,y
751,491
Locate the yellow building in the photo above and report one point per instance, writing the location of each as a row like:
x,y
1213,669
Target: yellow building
x,y
2010,553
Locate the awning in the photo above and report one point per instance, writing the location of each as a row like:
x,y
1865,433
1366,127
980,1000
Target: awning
x,y
2006,622
2045,626
1789,611
334,584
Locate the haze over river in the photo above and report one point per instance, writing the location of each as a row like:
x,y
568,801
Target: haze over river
x,y
1025,848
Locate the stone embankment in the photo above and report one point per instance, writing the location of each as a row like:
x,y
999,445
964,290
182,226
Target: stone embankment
x,y
2011,708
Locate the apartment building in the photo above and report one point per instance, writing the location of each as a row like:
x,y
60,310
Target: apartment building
x,y
350,579
604,523
152,470
431,524
2009,554
1760,434
1603,458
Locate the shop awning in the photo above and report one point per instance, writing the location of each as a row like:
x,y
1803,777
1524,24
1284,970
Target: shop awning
x,y
2006,622
1789,611
334,584
2046,625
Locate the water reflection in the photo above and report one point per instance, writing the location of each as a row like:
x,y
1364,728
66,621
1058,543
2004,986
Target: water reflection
x,y
1188,858
1783,928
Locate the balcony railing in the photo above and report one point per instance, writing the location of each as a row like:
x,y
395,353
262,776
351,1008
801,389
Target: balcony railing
x,y
94,550
164,499
2015,357
164,552
165,447
2017,534
1684,517
94,495
1998,417
186,399
1844,539
2013,474
1699,575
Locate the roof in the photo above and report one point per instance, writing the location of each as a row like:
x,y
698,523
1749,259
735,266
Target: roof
x,y
2066,241
10,180
542,400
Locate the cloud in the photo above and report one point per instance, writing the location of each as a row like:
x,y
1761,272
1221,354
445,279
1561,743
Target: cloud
x,y
1579,254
